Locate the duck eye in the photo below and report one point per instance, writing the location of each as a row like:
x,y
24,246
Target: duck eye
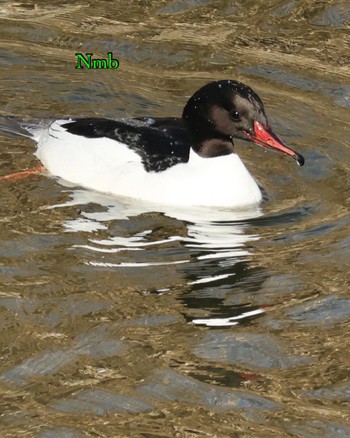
x,y
235,115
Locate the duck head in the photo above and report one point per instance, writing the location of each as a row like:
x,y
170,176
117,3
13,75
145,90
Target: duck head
x,y
223,110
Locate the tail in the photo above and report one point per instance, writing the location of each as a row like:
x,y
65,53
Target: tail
x,y
16,126
30,129
12,125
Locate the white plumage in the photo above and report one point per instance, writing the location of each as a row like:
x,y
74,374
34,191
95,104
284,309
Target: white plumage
x,y
109,166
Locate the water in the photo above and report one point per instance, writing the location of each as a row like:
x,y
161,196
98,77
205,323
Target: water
x,y
120,318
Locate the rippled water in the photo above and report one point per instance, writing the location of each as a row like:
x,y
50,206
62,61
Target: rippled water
x,y
120,318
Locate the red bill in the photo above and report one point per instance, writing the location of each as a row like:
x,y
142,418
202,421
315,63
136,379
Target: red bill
x,y
266,138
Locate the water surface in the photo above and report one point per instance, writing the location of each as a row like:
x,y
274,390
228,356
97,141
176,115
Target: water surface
x,y
120,318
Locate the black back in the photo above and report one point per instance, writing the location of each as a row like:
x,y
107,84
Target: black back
x,y
161,143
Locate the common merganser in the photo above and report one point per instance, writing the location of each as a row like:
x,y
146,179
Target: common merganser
x,y
187,161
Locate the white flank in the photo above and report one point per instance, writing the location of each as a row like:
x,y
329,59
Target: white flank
x,y
111,167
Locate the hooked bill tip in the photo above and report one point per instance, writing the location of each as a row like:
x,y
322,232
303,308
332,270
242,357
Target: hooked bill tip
x,y
300,159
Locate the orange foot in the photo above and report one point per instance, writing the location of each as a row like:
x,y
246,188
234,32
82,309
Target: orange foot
x,y
20,175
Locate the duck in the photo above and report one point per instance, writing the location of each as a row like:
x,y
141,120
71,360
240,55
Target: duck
x,y
187,161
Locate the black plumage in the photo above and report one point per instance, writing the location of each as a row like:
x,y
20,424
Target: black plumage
x,y
161,143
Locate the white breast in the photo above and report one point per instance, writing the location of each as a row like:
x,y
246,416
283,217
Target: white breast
x,y
108,166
